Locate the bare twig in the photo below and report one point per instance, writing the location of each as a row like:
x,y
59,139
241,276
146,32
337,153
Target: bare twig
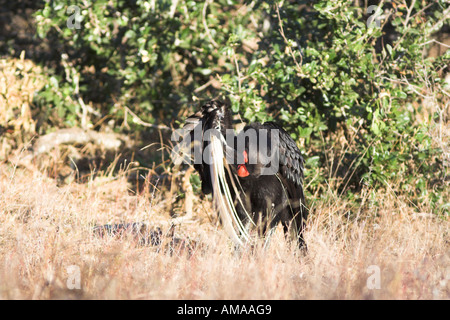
x,y
205,24
139,121
405,23
434,41
280,24
203,87
238,72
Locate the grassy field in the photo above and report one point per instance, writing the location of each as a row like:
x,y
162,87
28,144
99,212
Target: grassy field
x,y
385,249
48,249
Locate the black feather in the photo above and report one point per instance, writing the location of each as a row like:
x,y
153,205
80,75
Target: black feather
x,y
259,192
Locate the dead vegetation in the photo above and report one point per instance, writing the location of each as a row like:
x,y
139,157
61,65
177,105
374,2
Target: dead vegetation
x,y
45,230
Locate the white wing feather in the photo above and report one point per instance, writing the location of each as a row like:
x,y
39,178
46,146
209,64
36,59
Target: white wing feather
x,y
222,195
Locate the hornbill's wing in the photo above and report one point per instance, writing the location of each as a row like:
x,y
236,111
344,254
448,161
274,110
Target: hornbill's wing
x,y
291,166
194,143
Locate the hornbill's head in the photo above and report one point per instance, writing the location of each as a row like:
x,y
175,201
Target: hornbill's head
x,y
216,116
256,151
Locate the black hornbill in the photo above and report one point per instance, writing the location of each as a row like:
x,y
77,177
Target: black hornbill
x,y
255,177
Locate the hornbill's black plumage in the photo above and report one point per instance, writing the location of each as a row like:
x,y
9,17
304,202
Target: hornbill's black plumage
x,y
256,176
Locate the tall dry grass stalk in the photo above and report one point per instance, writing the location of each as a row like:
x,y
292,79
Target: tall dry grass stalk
x,y
385,252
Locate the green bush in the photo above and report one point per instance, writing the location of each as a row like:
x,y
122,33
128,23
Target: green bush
x,y
317,67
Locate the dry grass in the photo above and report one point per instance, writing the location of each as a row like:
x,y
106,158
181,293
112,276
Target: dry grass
x,y
19,80
44,229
